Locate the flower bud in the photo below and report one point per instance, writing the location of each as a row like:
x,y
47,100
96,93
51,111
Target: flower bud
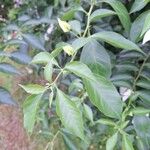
x,y
64,25
69,50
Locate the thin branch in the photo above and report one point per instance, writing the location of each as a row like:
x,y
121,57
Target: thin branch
x,y
88,20
139,73
51,143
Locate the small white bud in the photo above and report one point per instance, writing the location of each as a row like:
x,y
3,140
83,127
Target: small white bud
x,y
64,25
125,93
50,29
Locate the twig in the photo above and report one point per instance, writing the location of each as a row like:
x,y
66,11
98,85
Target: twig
x,y
52,141
139,73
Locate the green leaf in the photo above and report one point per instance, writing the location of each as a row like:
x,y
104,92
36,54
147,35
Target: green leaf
x,y
146,24
88,112
138,5
15,42
140,144
121,12
32,23
5,97
75,26
8,68
111,142
106,122
142,127
33,88
147,65
112,38
70,14
144,83
20,57
48,71
69,143
121,76
43,58
104,96
35,22
80,69
120,83
69,114
146,37
96,57
126,67
79,43
144,96
100,13
75,85
30,108
58,49
33,41
137,27
126,143
140,111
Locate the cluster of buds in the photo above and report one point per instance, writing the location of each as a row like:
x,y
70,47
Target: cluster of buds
x,y
48,32
17,3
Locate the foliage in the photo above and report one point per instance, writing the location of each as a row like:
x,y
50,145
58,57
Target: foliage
x,y
95,66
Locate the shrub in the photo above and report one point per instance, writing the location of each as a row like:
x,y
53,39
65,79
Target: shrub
x,y
95,67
